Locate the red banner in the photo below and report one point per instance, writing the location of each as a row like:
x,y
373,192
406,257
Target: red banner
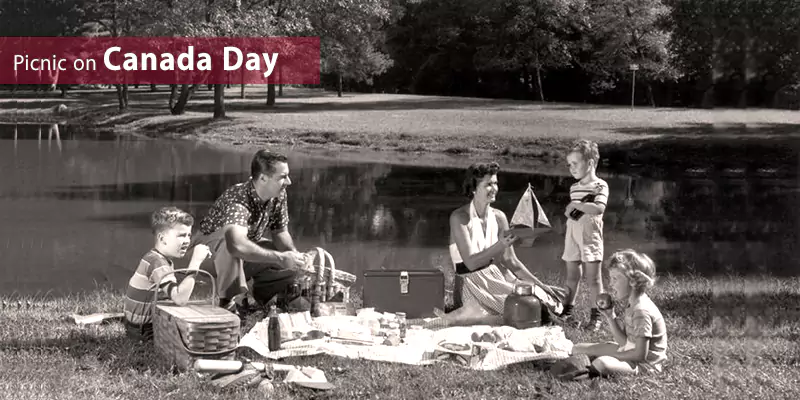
x,y
159,60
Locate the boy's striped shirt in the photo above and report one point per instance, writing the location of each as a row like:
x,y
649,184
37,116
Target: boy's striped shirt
x,y
139,294
598,187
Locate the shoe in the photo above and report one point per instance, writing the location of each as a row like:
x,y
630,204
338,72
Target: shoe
x,y
593,325
576,375
569,320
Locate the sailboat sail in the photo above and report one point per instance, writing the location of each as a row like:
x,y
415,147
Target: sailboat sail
x,y
529,219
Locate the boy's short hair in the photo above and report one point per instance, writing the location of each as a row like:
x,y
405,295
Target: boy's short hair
x,y
167,217
638,267
475,173
587,149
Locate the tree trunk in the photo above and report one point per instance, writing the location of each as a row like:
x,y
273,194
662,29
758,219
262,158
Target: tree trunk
x,y
650,96
270,94
183,99
219,100
747,67
173,91
539,82
526,82
122,96
280,79
241,94
339,84
709,97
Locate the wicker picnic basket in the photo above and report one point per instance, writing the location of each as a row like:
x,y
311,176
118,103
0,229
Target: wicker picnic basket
x,y
334,281
183,334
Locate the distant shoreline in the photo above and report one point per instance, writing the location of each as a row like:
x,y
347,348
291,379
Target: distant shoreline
x,y
442,131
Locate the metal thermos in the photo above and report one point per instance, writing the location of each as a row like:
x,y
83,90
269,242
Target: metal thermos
x,y
522,310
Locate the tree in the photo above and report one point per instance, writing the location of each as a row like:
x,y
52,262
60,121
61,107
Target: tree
x,y
526,34
210,18
352,37
114,18
434,44
625,32
23,18
738,41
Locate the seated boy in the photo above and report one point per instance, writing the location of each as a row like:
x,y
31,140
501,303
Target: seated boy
x,y
172,229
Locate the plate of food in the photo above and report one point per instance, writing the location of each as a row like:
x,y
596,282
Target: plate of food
x,y
454,347
458,352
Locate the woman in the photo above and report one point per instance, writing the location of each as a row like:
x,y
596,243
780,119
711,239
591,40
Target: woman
x,y
481,248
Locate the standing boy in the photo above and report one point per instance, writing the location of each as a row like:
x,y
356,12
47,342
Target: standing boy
x,y
172,229
583,243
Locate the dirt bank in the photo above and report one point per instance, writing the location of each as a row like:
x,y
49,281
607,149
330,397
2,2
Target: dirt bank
x,y
446,130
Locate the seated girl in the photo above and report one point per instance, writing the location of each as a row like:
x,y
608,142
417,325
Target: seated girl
x,y
481,247
641,341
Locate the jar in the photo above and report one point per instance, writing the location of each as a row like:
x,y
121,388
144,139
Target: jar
x,y
401,321
522,310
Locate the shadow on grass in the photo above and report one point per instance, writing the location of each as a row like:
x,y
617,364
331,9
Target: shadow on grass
x,y
115,354
705,146
40,104
293,102
730,312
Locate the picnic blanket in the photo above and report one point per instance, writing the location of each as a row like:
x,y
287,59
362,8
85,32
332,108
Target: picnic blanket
x,y
351,337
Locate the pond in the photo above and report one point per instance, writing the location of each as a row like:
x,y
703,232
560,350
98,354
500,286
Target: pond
x,y
75,206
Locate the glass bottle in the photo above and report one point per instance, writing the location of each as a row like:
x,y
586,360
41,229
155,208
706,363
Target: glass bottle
x,y
273,329
401,321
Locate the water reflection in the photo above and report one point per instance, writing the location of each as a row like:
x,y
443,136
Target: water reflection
x,y
52,131
77,216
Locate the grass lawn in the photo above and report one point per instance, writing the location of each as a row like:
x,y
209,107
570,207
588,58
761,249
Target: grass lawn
x,y
729,338
430,128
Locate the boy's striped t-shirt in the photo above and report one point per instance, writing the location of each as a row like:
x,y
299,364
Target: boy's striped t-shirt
x,y
597,187
139,294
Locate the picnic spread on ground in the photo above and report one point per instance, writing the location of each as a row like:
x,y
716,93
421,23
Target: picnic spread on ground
x,y
374,336
205,337
371,335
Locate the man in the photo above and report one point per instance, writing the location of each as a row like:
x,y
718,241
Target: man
x,y
236,224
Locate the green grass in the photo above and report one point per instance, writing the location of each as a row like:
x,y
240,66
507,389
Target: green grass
x,y
729,338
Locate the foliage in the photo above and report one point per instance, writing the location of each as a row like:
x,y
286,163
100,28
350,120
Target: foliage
x,y
625,32
352,37
39,18
685,48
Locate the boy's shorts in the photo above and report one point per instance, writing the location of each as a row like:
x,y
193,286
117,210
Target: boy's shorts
x,y
584,239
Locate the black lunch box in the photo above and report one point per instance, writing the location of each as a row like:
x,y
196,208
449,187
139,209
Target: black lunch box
x,y
414,292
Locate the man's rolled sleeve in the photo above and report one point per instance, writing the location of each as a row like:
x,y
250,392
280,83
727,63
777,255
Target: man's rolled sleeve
x,y
236,214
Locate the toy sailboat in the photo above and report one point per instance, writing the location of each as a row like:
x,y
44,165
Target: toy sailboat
x,y
529,219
